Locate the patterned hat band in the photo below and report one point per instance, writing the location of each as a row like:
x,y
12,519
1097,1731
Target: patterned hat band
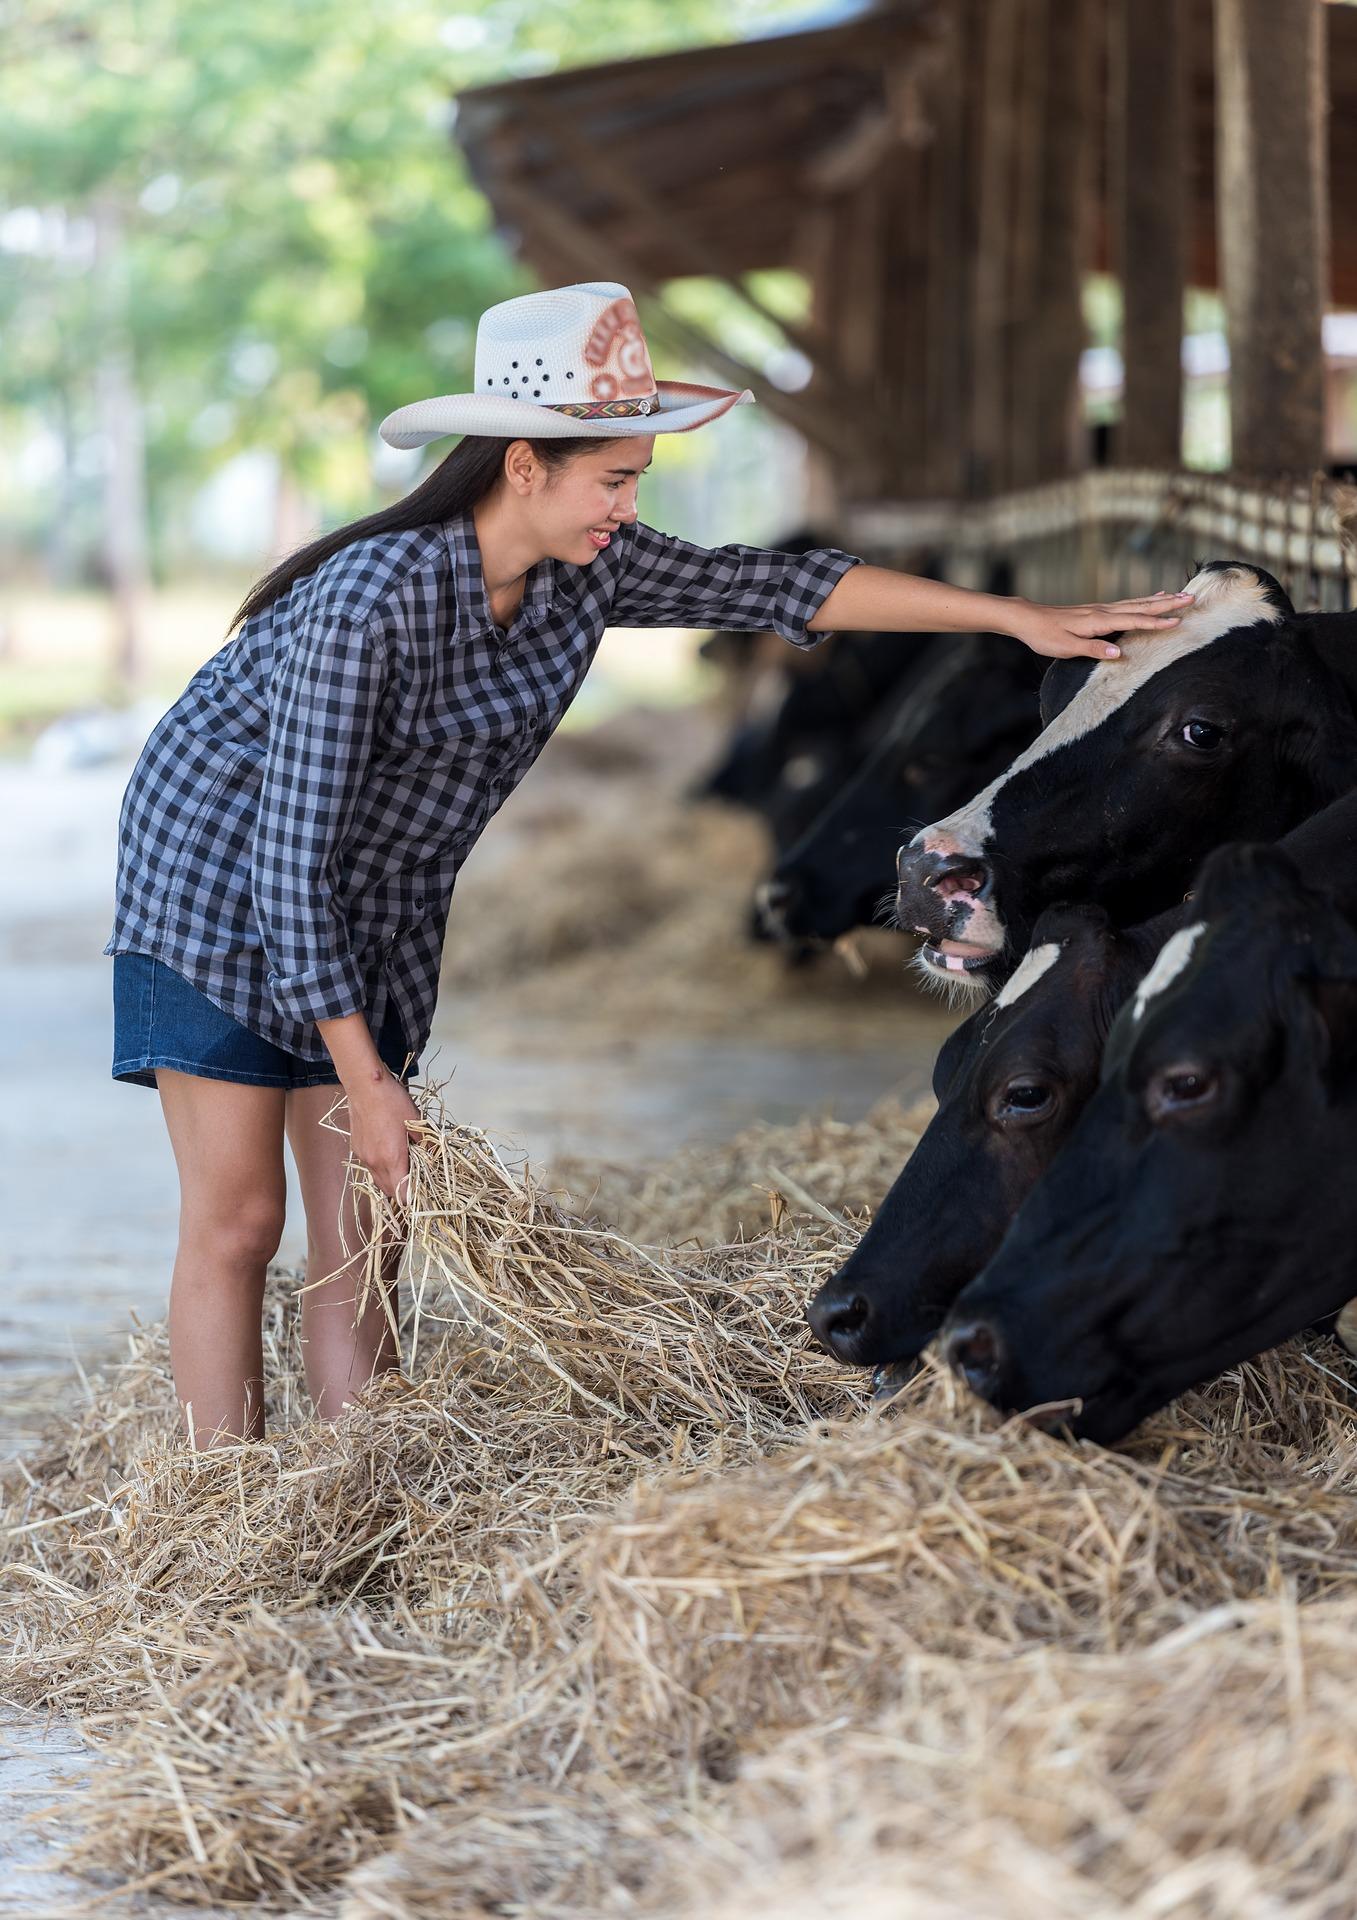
x,y
606,409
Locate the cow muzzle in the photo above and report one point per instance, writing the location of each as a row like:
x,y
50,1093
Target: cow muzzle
x,y
947,894
977,1352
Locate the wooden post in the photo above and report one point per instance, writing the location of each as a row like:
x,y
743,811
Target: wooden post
x,y
1147,165
952,241
996,126
903,374
1057,151
858,269
1271,183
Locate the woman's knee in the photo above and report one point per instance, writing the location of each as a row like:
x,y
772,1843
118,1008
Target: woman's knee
x,y
245,1231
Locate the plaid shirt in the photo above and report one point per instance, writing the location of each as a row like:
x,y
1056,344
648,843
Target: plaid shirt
x,y
293,828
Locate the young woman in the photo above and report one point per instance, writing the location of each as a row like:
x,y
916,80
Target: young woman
x,y
292,831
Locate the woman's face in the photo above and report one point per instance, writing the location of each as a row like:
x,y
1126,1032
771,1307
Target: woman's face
x,y
578,508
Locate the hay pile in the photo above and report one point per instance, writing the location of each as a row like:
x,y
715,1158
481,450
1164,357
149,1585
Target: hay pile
x,y
714,1195
635,916
616,1606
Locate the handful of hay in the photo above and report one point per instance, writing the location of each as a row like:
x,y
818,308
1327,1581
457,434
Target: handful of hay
x,y
614,1603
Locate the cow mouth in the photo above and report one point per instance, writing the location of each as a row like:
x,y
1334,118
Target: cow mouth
x,y
956,956
890,1377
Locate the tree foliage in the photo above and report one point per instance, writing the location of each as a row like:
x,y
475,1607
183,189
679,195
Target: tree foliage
x,y
264,203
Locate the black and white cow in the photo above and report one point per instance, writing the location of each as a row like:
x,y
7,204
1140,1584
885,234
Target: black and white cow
x,y
1203,1208
1011,1083
1236,724
971,710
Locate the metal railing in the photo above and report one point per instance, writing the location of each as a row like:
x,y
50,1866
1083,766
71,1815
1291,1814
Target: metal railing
x,y
1113,533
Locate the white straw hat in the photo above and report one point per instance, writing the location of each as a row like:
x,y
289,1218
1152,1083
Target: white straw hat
x,y
550,366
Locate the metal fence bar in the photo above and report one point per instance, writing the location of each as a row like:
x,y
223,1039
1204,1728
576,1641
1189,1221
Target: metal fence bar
x,y
1118,532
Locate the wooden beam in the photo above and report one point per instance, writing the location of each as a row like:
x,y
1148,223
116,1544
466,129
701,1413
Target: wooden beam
x,y
1271,184
560,235
620,186
1147,166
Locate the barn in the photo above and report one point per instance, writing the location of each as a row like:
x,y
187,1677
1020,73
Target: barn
x,y
945,175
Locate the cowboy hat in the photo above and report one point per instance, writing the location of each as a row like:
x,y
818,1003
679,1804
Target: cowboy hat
x,y
550,366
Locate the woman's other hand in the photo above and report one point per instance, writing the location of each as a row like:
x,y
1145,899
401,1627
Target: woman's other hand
x,y
381,1118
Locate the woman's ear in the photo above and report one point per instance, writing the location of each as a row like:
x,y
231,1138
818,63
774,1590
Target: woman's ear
x,y
522,468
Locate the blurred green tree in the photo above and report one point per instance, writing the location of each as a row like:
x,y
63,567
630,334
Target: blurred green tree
x,y
241,227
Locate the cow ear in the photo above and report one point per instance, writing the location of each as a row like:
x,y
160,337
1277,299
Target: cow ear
x,y
1333,638
954,1050
1327,979
1323,747
1061,681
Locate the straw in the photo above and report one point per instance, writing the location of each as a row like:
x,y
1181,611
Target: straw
x,y
616,1603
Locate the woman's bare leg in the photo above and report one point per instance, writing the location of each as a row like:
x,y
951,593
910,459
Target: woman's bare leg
x,y
228,1143
341,1357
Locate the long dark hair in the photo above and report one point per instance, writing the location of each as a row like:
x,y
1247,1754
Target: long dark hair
x,y
470,471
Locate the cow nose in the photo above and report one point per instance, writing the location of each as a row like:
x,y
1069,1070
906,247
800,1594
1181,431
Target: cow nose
x,y
838,1321
976,1351
948,875
775,896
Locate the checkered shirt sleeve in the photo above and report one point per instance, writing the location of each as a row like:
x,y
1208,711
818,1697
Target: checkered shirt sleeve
x,y
324,697
665,582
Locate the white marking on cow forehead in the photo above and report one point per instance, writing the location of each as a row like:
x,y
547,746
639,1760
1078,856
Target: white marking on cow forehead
x,y
1173,956
1029,970
1229,598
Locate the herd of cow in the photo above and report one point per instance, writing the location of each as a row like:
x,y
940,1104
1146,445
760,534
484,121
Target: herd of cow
x,y
1138,1172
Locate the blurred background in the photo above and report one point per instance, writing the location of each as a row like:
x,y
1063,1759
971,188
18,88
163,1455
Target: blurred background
x,y
1053,292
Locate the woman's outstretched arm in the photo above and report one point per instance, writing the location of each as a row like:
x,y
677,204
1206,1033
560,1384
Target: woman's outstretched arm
x,y
878,600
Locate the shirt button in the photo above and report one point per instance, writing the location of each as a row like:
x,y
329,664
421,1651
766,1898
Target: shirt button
x,y
533,723
419,906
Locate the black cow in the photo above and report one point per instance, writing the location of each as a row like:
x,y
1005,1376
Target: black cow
x,y
805,731
1204,1208
812,719
1011,1083
1236,724
959,724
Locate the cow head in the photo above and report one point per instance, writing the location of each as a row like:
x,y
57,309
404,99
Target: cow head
x,y
965,719
1233,724
1204,1207
1011,1082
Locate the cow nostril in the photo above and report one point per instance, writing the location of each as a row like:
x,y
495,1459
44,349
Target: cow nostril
x,y
837,1322
954,877
976,1352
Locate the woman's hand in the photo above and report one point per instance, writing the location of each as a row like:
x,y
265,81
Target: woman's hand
x,y
1063,633
381,1117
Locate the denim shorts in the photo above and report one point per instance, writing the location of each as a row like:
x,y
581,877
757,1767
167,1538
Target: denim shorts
x,y
161,1020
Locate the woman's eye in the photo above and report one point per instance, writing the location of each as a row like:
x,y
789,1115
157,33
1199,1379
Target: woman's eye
x,y
1202,735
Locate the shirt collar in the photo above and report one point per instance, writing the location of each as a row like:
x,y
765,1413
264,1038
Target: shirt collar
x,y
473,613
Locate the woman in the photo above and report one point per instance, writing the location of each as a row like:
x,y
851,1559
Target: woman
x,y
292,831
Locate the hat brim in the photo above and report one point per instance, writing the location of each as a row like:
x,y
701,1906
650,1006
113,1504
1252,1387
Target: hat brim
x,y
683,406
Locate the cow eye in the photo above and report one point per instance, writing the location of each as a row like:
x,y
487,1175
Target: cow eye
x,y
1182,1089
1022,1100
1202,735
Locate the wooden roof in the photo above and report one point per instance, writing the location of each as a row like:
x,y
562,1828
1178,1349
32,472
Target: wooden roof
x,y
706,160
